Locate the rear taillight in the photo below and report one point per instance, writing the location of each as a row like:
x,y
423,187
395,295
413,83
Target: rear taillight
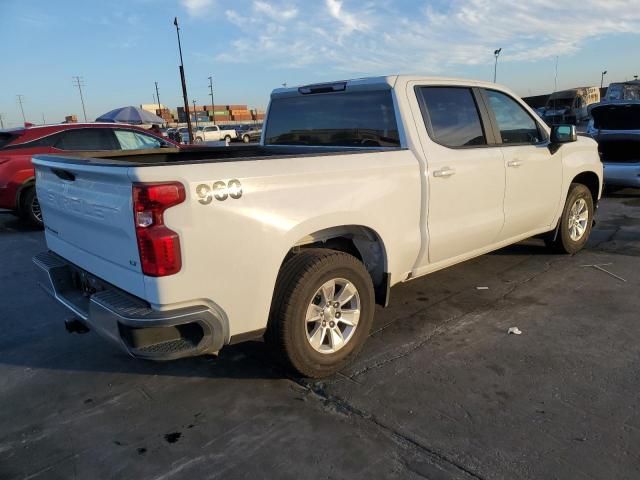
x,y
158,245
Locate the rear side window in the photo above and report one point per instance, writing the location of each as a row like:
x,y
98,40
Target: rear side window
x,y
452,117
349,119
515,124
87,139
133,140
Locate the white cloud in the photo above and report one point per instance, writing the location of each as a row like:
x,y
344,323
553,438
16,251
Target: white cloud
x,y
197,8
348,20
361,37
275,13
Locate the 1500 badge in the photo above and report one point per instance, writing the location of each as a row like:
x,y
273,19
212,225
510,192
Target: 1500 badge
x,y
219,190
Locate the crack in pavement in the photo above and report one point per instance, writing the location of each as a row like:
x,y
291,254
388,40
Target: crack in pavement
x,y
344,406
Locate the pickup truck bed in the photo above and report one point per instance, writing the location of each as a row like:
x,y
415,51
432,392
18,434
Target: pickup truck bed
x,y
192,155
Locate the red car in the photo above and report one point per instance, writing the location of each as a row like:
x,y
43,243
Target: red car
x,y
17,181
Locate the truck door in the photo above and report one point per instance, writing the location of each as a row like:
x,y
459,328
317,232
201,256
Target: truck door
x,y
465,176
533,173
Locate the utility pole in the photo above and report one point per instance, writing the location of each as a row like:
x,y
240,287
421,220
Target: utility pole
x,y
20,100
1,121
79,82
496,53
184,83
604,72
158,98
213,105
43,120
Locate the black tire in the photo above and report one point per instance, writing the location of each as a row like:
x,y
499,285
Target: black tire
x,y
563,242
246,139
298,281
198,140
227,138
30,208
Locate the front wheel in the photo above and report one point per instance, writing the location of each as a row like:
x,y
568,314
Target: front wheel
x,y
30,210
576,221
198,140
322,311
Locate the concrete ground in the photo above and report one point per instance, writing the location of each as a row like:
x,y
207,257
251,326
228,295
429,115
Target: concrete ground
x,y
440,390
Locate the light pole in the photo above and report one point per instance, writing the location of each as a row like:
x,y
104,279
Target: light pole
x,y
635,77
184,83
496,53
195,114
213,105
602,78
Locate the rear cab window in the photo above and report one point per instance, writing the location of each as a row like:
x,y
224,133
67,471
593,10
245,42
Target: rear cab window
x,y
341,119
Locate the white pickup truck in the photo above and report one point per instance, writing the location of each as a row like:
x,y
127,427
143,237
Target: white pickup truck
x,y
213,133
356,186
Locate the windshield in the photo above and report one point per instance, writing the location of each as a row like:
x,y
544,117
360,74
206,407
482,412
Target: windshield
x,y
560,103
622,91
351,119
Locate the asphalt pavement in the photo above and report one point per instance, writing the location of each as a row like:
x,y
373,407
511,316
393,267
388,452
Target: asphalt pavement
x,y
440,391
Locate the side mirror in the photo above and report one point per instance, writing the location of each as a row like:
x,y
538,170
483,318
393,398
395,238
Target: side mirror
x,y
563,134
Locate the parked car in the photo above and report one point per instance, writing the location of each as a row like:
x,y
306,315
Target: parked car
x,y
250,134
570,106
18,145
616,127
214,133
358,185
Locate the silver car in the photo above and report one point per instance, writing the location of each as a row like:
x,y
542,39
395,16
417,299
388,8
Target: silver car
x,y
615,125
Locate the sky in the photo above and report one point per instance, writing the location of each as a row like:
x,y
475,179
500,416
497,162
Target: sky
x,y
121,47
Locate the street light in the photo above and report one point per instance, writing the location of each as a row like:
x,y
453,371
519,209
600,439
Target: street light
x,y
496,54
184,83
602,78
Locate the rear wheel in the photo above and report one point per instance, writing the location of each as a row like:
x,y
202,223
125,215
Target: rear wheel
x,y
227,138
322,311
576,221
245,138
30,210
198,140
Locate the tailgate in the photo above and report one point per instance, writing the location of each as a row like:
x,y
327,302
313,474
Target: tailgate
x,y
88,216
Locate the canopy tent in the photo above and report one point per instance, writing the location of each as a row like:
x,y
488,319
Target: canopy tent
x,y
132,115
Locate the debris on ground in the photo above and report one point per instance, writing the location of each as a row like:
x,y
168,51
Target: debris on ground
x,y
514,331
482,288
599,267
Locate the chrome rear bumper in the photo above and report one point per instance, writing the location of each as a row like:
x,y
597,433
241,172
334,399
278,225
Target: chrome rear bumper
x,y
128,321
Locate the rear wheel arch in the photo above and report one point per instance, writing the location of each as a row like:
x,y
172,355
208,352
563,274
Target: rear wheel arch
x,y
362,242
23,188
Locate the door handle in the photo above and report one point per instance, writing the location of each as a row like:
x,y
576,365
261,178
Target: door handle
x,y
444,172
514,163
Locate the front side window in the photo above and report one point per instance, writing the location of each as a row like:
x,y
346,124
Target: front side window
x,y
347,119
515,124
87,139
453,116
130,140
